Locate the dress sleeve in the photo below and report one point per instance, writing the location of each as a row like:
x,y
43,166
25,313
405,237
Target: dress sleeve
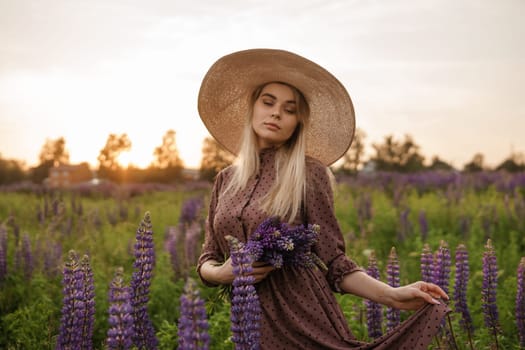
x,y
319,209
210,248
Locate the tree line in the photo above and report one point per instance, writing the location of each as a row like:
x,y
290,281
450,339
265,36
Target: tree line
x,y
394,155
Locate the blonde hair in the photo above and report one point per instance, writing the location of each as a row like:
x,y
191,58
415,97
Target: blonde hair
x,y
286,196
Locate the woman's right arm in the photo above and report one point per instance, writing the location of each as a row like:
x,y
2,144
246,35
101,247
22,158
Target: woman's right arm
x,y
216,273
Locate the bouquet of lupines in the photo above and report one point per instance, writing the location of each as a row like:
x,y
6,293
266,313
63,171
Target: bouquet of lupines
x,y
280,244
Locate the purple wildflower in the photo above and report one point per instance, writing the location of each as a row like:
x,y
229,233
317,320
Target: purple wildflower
x,y
460,288
245,307
190,210
27,257
193,322
442,265
52,256
489,290
120,332
393,316
423,225
520,302
279,244
374,311
193,233
78,308
427,264
173,239
88,299
405,226
144,334
3,252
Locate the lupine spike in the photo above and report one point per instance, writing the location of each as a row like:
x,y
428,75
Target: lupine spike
x,y
245,307
520,302
374,311
393,316
442,267
193,322
144,334
423,224
489,291
120,332
88,297
427,264
460,288
76,326
3,252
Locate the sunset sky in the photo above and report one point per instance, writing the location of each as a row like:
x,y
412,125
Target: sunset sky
x,y
451,73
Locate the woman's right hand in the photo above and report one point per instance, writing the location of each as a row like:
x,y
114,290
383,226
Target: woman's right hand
x,y
217,273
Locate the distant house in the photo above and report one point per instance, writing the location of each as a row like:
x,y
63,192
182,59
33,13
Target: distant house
x,y
65,175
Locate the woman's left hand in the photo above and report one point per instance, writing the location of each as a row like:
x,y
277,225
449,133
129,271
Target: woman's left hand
x,y
415,295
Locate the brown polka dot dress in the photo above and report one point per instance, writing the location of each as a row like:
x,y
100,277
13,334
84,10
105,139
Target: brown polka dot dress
x,y
298,304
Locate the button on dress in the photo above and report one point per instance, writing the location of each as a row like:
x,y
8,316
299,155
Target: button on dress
x,y
299,308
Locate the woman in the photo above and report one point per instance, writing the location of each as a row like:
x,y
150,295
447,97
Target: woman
x,y
287,119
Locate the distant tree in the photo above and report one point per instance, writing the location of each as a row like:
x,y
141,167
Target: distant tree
x,y
53,153
398,156
214,159
167,165
11,171
513,164
476,164
438,164
353,158
167,154
109,167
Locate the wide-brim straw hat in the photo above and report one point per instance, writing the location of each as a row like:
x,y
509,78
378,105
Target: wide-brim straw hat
x,y
228,85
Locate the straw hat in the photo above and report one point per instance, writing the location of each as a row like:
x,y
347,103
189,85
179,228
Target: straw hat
x,y
225,94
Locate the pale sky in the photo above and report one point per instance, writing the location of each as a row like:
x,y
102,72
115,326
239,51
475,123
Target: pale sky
x,y
451,73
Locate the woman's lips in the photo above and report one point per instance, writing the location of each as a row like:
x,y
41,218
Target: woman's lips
x,y
272,126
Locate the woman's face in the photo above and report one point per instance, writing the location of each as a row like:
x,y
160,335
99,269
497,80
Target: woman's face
x,y
274,115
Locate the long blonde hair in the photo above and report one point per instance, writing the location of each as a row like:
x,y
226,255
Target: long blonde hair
x,y
287,194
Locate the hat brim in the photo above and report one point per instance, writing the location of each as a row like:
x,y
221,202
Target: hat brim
x,y
226,88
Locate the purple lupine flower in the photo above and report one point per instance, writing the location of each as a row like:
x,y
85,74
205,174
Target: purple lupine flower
x,y
374,311
78,308
427,264
193,322
26,256
393,316
245,308
489,290
190,210
442,265
144,334
423,225
405,226
68,333
460,288
279,244
120,332
88,298
172,242
52,256
3,252
520,302
193,233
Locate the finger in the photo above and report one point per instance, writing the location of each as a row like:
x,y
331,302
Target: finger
x,y
436,291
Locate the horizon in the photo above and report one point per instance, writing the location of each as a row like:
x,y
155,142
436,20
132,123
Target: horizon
x,y
450,74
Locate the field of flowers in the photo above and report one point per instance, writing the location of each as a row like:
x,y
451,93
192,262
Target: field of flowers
x,y
87,265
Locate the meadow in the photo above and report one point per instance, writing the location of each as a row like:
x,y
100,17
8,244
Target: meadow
x,y
39,227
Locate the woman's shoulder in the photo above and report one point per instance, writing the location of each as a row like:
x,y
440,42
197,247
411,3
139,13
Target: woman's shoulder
x,y
314,165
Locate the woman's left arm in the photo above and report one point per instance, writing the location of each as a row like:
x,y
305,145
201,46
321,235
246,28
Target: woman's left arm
x,y
409,297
